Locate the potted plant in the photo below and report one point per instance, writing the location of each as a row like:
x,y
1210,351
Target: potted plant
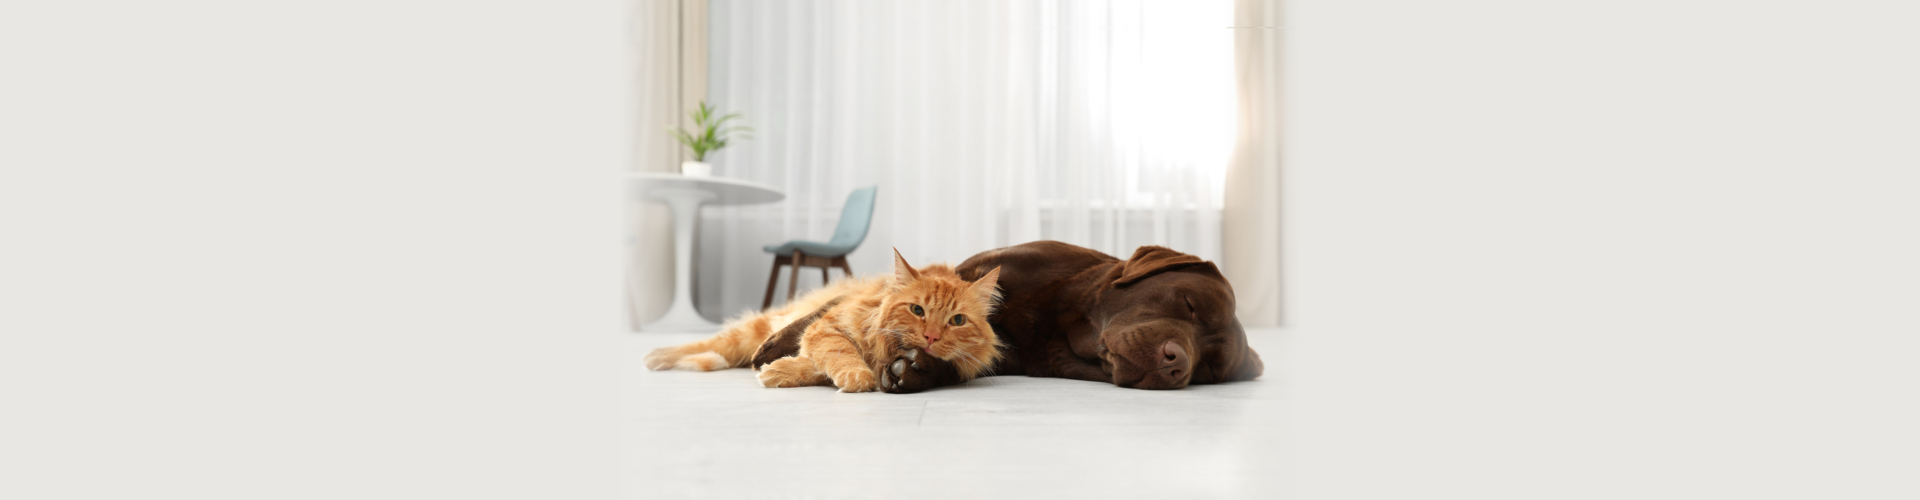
x,y
708,136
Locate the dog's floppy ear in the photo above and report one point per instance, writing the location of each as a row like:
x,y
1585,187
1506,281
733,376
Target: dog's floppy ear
x,y
1151,260
1248,367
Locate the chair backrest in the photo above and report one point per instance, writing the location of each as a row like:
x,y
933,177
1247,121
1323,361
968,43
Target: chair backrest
x,y
855,218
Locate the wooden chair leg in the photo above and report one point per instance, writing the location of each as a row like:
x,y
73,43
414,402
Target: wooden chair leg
x,y
793,282
823,275
842,262
772,279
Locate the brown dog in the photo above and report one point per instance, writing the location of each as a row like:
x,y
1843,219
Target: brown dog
x,y
1159,320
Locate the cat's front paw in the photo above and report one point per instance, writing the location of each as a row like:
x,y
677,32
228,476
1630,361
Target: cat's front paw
x,y
786,372
915,371
860,380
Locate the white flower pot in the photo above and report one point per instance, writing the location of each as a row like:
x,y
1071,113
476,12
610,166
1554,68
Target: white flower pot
x,y
695,169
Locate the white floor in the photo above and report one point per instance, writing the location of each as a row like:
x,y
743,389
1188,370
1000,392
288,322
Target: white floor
x,y
720,435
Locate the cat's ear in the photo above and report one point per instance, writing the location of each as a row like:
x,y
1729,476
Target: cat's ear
x,y
988,286
903,273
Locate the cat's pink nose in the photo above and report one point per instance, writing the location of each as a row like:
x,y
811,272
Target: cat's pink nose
x,y
931,337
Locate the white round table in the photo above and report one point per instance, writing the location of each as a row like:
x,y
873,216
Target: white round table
x,y
684,195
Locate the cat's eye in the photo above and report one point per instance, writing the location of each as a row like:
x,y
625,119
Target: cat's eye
x,y
917,311
957,320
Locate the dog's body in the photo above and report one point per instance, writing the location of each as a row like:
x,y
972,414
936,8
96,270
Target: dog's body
x,y
1159,320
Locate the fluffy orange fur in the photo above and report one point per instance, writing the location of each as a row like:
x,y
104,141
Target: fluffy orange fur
x,y
877,319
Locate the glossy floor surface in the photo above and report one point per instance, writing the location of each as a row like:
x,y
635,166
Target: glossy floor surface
x,y
721,435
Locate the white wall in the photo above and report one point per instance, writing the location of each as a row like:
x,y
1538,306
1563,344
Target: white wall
x,y
1603,249
310,249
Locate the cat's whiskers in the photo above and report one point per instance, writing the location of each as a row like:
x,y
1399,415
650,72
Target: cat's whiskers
x,y
983,369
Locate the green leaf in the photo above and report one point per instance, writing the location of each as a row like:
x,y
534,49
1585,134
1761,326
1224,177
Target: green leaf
x,y
711,135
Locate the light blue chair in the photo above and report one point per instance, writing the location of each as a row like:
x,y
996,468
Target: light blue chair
x,y
852,230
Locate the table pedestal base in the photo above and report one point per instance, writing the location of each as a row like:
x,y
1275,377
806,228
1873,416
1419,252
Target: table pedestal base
x,y
681,316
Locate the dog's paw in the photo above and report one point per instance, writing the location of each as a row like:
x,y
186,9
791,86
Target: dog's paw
x,y
914,370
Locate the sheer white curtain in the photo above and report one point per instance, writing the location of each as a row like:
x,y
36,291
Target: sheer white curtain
x,y
1106,124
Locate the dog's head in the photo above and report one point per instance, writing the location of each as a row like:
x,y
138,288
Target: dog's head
x,y
1168,320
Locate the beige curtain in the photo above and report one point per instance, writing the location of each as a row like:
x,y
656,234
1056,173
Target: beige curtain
x,y
1250,220
663,64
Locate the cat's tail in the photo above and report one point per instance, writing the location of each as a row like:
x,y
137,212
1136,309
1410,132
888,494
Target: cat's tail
x,y
733,347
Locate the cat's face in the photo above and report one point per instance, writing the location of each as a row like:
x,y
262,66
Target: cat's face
x,y
934,310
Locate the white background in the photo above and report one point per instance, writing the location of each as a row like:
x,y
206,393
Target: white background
x,y
1603,249
1655,249
310,249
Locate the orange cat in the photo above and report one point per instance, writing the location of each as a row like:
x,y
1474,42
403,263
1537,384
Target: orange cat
x,y
852,327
